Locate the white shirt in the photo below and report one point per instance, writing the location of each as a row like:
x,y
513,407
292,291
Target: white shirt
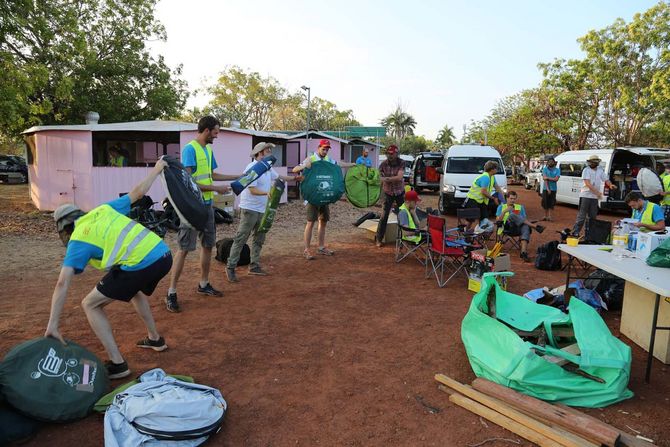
x,y
597,177
249,201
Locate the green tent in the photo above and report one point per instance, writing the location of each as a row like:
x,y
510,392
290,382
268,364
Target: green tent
x,y
362,186
497,353
323,183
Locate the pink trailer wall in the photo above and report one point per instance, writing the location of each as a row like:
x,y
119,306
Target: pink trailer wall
x,y
61,170
334,153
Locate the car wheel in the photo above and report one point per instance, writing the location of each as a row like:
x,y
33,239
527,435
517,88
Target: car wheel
x,y
442,205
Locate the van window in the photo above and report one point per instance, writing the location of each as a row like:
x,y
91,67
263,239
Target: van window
x,y
469,165
572,168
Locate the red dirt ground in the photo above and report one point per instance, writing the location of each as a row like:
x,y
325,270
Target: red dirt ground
x,y
339,351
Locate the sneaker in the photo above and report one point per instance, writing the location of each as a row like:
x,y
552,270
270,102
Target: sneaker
x,y
117,370
325,252
379,244
539,228
157,345
525,257
171,303
308,255
209,290
232,277
257,270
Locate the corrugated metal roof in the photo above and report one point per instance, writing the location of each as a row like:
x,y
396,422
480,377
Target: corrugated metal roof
x,y
321,134
149,126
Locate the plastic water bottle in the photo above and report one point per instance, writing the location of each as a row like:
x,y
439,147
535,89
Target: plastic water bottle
x,y
619,243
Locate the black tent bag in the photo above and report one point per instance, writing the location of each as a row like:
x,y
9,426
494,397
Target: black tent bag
x,y
184,194
223,247
548,256
51,382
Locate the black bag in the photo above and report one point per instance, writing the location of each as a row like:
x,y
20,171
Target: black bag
x,y
366,216
222,217
223,247
184,194
608,286
598,232
548,256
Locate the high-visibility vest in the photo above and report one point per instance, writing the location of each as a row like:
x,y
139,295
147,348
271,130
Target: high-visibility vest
x,y
647,215
118,161
315,157
414,238
203,168
666,188
517,209
122,240
475,192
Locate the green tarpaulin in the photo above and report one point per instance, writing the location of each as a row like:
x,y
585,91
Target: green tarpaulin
x,y
498,354
362,186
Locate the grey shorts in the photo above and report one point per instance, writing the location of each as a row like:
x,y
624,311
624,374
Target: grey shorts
x,y
187,236
318,212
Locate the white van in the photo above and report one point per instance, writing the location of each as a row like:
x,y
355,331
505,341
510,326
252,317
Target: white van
x,y
621,165
462,164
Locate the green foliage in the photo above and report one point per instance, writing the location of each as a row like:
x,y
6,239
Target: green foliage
x,y
399,124
445,137
62,59
262,103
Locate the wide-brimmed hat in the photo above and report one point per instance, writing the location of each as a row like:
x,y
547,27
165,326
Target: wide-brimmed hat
x,y
260,147
594,158
66,214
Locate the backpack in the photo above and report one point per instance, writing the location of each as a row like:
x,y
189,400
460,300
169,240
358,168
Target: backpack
x,y
223,247
548,256
366,216
163,408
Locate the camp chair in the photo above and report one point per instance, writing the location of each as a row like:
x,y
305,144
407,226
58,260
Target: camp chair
x,y
446,250
465,214
509,235
405,248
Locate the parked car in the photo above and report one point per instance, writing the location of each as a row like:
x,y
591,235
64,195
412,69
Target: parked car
x,y
13,169
533,179
462,164
621,165
424,173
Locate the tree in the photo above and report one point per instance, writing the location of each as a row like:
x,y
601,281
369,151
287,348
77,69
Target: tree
x,y
324,115
246,97
399,123
445,137
62,59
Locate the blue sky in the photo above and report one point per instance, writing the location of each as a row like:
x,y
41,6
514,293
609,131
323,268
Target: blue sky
x,y
446,62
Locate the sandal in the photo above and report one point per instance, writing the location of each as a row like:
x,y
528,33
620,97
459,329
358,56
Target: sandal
x,y
308,255
324,251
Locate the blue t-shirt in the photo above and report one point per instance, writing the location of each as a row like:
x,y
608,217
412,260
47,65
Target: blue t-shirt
x,y
78,253
364,161
551,172
656,215
522,211
484,181
189,161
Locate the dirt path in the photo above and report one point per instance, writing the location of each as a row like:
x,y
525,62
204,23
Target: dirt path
x,y
338,351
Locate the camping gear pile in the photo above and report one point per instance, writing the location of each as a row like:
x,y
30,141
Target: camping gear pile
x,y
362,185
184,194
253,173
540,351
323,183
560,297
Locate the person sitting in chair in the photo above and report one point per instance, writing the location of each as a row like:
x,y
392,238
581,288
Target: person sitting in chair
x,y
512,219
407,218
649,216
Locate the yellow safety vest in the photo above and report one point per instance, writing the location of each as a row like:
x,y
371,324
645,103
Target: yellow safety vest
x,y
415,238
506,216
122,240
666,188
118,161
647,215
475,192
203,168
315,157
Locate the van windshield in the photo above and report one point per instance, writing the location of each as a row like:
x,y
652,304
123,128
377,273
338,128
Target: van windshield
x,y
469,165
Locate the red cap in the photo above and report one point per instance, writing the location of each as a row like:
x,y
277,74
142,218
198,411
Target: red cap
x,y
412,195
392,149
324,142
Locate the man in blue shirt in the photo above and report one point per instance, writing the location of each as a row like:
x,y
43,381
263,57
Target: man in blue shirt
x,y
648,219
550,175
201,166
364,159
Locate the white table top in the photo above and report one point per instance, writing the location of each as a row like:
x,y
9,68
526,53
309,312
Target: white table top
x,y
655,279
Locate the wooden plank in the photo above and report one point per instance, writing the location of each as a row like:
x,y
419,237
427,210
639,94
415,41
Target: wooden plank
x,y
512,413
560,361
575,422
503,421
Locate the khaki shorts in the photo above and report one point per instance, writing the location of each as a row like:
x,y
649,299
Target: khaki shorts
x,y
321,212
188,236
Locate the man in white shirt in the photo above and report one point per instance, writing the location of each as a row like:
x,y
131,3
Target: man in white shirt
x,y
593,176
253,202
